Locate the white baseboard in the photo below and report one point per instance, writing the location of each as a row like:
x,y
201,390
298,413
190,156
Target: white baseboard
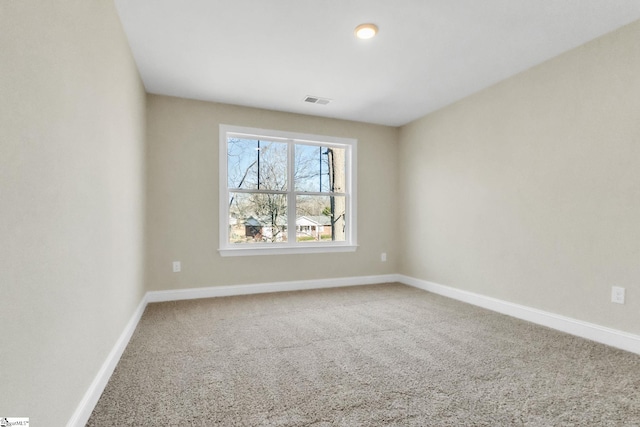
x,y
262,288
90,398
608,336
590,331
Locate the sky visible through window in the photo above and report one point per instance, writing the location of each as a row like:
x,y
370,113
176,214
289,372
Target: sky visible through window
x,y
258,164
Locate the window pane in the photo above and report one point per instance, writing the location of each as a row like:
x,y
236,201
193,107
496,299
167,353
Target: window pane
x,y
257,218
319,169
256,164
320,218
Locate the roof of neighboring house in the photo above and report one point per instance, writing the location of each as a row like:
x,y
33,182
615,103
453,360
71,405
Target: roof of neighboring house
x,y
252,221
282,220
264,221
313,220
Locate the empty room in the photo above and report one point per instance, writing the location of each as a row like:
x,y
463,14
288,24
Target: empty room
x,y
338,213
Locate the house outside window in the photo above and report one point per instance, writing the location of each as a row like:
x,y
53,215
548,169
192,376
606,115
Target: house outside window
x,y
284,192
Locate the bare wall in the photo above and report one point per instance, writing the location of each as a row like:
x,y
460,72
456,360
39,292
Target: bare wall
x,y
529,191
182,209
71,200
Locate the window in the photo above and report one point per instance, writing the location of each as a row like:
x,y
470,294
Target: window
x,y
282,192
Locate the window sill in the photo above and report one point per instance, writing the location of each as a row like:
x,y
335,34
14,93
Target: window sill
x,y
286,250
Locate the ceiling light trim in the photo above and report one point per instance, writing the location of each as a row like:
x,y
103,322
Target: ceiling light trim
x,y
366,31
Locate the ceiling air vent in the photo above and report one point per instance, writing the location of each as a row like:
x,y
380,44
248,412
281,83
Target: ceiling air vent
x,y
316,100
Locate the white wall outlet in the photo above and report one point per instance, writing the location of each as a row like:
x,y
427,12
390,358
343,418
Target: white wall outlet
x,y
177,267
617,294
383,257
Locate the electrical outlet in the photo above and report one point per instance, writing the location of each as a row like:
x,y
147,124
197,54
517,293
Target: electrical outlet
x,y
177,267
383,257
617,294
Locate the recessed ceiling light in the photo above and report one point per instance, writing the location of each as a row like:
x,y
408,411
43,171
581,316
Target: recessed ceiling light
x,y
366,31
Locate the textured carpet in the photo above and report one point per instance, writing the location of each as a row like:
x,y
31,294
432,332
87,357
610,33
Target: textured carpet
x,y
383,355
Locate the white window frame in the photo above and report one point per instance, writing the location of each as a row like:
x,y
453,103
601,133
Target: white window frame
x,y
291,246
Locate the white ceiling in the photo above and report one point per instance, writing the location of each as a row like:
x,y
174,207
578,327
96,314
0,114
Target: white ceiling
x,y
428,53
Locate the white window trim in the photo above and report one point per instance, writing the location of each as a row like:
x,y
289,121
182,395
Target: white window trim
x,y
349,245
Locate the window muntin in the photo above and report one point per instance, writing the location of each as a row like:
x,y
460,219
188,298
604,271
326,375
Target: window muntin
x,y
285,193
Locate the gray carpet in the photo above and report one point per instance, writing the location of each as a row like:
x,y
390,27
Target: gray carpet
x,y
382,355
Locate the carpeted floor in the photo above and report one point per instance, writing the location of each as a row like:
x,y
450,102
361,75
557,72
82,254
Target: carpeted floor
x,y
381,355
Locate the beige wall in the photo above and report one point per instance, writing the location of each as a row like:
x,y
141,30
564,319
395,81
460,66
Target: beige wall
x,y
529,191
71,200
182,209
